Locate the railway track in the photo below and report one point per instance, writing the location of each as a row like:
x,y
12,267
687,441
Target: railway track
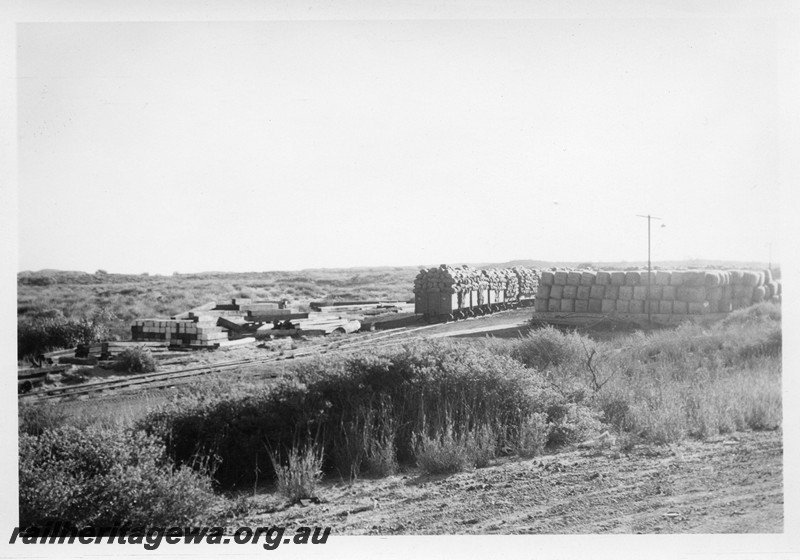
x,y
374,339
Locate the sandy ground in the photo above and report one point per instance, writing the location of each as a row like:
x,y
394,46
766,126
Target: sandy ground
x,y
730,485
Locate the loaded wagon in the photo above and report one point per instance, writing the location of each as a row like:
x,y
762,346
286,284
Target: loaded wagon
x,y
448,293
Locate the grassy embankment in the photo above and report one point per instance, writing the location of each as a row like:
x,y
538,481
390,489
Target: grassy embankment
x,y
440,406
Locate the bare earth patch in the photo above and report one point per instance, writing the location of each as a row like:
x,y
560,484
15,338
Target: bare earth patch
x,y
726,485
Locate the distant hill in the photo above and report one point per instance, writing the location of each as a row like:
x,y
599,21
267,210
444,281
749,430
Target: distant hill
x,y
694,263
51,276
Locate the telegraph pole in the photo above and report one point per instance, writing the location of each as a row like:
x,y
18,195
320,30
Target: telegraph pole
x,y
649,267
770,256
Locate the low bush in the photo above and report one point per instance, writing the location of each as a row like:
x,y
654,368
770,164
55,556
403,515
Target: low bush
x,y
95,477
380,453
570,422
47,331
135,360
367,409
443,453
36,418
547,347
449,451
533,435
482,443
298,478
459,403
698,380
760,313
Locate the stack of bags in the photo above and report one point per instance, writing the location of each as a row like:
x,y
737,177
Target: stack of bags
x,y
668,292
447,279
512,284
528,281
506,284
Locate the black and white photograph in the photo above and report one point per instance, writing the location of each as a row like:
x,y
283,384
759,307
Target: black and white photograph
x,y
379,279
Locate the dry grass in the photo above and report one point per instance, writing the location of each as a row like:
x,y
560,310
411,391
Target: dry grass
x,y
443,453
298,478
698,380
449,451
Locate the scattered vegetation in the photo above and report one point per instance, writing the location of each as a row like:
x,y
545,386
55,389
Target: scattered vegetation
x,y
442,406
532,436
444,453
135,360
371,411
36,418
298,478
42,331
129,297
96,477
449,451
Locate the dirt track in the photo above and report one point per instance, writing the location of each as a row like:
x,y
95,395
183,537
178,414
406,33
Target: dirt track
x,y
732,485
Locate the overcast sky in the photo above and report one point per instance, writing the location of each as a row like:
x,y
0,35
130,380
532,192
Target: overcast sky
x,y
260,145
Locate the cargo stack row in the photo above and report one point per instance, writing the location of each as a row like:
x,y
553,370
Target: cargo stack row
x,y
464,291
679,292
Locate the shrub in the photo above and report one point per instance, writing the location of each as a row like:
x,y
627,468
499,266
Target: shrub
x,y
570,423
448,450
699,380
443,453
533,434
36,418
49,331
548,347
298,479
380,457
135,360
366,407
771,345
380,454
482,445
96,477
758,313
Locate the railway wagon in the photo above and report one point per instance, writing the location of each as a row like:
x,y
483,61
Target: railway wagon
x,y
447,293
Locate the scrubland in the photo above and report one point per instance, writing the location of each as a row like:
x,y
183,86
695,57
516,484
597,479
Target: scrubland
x,y
223,453
119,299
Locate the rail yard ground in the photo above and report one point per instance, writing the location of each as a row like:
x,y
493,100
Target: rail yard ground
x,y
704,456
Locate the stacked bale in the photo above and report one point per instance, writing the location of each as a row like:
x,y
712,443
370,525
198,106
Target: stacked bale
x,y
662,292
443,281
512,284
473,287
527,280
495,280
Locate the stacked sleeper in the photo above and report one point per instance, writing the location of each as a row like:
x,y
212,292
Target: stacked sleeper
x,y
109,349
194,331
667,292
